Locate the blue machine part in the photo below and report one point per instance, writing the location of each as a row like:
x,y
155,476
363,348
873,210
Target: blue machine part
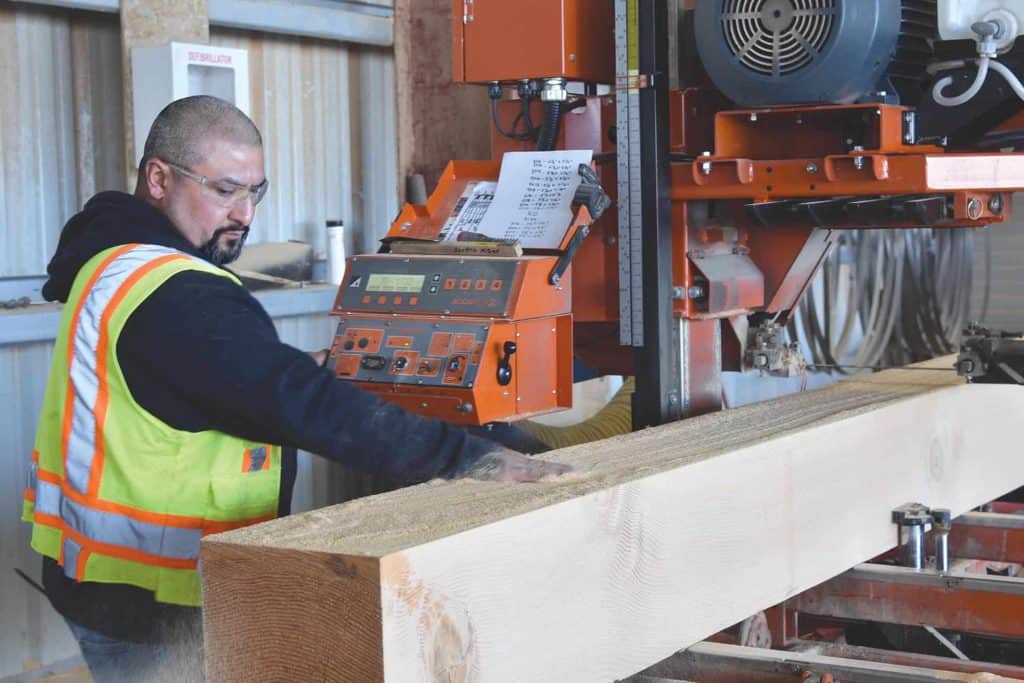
x,y
778,52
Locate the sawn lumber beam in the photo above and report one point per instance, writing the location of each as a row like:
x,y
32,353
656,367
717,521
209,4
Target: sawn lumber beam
x,y
667,536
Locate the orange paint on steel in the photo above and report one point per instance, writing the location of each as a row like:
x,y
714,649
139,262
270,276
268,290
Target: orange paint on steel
x,y
497,40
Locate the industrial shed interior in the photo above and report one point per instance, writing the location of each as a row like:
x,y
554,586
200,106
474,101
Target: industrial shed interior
x,y
742,279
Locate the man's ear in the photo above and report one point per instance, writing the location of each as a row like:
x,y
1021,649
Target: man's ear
x,y
156,174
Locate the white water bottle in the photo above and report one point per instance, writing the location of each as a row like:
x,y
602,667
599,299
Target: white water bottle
x,y
335,251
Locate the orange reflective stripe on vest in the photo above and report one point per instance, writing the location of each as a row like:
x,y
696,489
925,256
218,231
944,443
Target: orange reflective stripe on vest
x,y
87,393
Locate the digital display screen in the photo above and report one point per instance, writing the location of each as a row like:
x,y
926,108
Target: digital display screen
x,y
391,282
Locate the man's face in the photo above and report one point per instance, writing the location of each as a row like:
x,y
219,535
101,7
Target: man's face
x,y
203,212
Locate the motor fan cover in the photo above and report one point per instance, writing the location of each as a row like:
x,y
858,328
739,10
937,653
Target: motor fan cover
x,y
776,52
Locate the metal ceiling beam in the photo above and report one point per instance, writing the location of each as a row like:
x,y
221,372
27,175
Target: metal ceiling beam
x,y
350,22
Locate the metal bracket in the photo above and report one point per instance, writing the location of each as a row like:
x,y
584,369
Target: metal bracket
x,y
912,518
991,356
566,257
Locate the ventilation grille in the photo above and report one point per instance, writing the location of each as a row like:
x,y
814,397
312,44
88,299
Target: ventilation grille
x,y
915,50
777,37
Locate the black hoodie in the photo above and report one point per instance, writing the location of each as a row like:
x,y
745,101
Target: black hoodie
x,y
200,353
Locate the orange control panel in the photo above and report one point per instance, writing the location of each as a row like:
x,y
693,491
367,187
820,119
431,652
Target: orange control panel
x,y
408,351
469,340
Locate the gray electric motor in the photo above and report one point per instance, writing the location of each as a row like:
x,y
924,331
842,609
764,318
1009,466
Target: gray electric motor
x,y
774,52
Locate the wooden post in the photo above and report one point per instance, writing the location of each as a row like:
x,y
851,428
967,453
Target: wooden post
x,y
667,535
154,22
438,120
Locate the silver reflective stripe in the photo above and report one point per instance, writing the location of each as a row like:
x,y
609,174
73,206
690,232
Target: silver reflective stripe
x,y
257,457
48,497
120,530
84,339
33,475
71,552
115,529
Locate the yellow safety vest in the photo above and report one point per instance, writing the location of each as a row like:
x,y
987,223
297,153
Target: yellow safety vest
x,y
116,495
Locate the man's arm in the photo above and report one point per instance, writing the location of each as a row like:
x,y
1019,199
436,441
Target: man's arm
x,y
200,353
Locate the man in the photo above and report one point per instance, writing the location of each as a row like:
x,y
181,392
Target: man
x,y
170,396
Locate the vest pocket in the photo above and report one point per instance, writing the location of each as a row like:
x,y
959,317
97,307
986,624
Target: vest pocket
x,y
241,496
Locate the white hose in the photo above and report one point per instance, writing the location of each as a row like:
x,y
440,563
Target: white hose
x,y
1010,77
966,96
945,66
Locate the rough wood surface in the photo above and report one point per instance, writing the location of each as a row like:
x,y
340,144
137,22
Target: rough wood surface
x,y
668,535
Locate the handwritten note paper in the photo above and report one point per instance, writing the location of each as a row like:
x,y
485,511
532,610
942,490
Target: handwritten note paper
x,y
533,200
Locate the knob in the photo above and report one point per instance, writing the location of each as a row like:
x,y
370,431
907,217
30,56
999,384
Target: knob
x,y
401,362
505,364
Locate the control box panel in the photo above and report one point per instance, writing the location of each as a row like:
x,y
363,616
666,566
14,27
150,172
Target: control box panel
x,y
447,285
466,339
409,351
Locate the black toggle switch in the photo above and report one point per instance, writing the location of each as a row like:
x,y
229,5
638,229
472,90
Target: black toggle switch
x,y
505,364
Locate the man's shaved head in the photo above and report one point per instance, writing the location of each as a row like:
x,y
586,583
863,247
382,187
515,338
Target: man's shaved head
x,y
181,129
203,168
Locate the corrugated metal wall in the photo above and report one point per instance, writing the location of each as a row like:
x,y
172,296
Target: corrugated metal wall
x,y
327,113
61,129
326,110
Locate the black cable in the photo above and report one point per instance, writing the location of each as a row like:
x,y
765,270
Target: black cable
x,y
513,134
528,118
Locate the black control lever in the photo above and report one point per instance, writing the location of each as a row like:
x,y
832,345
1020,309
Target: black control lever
x,y
505,364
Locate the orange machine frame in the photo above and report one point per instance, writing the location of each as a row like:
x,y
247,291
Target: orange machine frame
x,y
742,181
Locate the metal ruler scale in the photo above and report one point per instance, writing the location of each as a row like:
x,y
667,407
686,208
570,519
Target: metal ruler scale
x,y
627,102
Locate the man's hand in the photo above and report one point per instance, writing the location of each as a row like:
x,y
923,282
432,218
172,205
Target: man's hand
x,y
508,465
320,357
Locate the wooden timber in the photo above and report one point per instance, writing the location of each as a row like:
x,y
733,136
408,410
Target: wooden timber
x,y
667,536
